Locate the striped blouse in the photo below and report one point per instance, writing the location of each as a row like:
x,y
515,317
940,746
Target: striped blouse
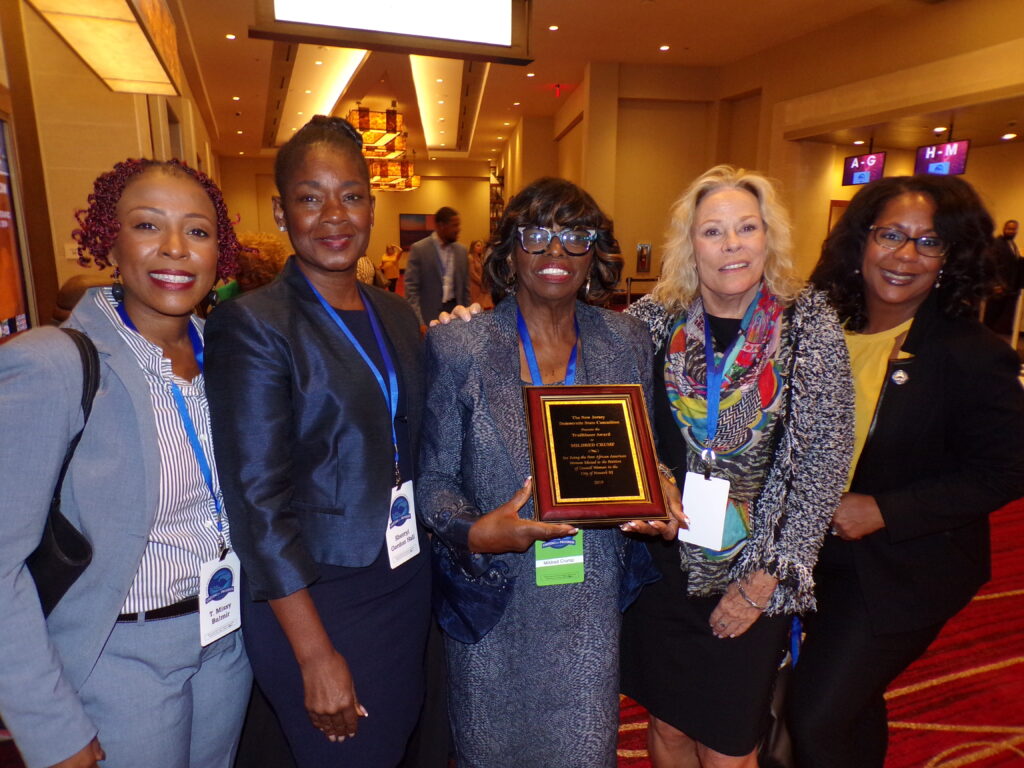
x,y
184,532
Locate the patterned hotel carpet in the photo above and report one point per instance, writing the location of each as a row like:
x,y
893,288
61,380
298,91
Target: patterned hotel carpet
x,y
962,703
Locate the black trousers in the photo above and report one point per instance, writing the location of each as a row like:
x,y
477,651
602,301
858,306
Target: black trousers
x,y
836,709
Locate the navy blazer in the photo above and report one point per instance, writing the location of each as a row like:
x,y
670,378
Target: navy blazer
x,y
946,448
301,430
475,454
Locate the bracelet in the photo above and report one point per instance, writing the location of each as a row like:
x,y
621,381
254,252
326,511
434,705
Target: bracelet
x,y
746,597
666,473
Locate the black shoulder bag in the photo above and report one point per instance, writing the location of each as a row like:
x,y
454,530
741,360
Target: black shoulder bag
x,y
64,552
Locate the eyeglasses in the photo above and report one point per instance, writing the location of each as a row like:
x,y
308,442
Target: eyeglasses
x,y
575,242
893,239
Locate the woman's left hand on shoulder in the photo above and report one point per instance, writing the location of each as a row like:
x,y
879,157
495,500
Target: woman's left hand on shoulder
x,y
857,516
667,529
742,604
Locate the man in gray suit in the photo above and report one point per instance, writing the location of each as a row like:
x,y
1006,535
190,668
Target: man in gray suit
x,y
436,276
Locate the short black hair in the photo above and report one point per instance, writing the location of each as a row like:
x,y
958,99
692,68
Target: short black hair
x,y
961,220
546,202
444,215
332,131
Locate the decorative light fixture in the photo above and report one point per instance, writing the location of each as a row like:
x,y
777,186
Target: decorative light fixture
x,y
131,46
384,146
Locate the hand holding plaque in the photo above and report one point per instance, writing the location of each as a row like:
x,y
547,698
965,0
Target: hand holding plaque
x,y
592,455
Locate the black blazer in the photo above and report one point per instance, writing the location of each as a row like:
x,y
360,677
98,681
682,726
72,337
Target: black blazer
x,y
301,433
945,449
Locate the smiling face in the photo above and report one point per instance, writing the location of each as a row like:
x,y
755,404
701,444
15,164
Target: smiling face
x,y
166,247
730,248
552,276
327,208
897,282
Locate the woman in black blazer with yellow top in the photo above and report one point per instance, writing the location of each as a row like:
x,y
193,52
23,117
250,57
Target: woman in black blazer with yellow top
x,y
315,388
939,445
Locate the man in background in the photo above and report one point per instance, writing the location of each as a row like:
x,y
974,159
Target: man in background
x,y
1004,260
436,276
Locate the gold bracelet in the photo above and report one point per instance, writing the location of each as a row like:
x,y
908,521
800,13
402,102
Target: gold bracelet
x,y
746,597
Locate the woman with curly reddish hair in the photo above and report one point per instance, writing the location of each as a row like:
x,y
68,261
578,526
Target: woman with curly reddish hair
x,y
127,668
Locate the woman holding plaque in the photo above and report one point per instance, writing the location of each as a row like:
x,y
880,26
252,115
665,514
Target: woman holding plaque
x,y
315,385
533,660
940,445
754,414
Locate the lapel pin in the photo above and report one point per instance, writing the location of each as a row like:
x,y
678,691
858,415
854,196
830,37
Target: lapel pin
x,y
899,377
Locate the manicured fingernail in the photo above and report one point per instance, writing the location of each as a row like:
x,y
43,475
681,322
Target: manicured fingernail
x,y
362,711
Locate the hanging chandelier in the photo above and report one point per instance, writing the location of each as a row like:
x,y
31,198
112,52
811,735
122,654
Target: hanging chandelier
x,y
384,147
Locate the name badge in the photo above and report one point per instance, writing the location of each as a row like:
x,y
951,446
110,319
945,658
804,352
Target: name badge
x,y
705,502
401,536
559,561
219,603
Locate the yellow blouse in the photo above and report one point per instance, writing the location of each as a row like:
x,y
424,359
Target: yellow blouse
x,y
869,359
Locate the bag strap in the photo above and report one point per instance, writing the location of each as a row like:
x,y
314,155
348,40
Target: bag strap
x,y
90,383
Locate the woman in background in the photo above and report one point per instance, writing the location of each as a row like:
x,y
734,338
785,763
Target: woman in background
x,y
389,265
752,390
117,673
940,445
315,385
478,291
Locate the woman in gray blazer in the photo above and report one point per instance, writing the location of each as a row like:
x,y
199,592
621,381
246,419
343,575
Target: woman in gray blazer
x,y
533,670
118,667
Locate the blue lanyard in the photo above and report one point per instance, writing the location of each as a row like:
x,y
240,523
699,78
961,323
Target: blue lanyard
x,y
716,374
531,357
188,424
389,390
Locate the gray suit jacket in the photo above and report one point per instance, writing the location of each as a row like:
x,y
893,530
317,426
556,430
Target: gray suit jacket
x,y
423,278
475,456
110,493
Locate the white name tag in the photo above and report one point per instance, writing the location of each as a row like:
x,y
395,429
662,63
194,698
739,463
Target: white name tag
x,y
219,603
704,504
401,537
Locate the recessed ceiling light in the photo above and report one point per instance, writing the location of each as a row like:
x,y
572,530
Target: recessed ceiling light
x,y
439,80
939,129
515,103
1008,136
440,101
441,132
433,158
444,145
238,132
440,119
229,36
663,47
318,63
500,138
506,123
494,150
531,74
308,91
858,142
300,113
241,153
294,129
236,98
553,28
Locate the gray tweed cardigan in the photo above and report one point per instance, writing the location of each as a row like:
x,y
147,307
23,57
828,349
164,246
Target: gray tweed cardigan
x,y
808,473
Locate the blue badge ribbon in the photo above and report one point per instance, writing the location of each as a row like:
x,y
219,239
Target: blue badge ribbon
x,y
390,389
189,425
531,356
716,366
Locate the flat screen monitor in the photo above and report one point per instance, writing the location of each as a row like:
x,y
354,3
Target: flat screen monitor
x,y
946,159
861,169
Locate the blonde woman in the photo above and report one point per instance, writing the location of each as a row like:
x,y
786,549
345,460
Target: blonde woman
x,y
753,407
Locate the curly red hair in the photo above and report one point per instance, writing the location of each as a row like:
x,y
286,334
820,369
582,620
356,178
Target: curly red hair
x,y
99,225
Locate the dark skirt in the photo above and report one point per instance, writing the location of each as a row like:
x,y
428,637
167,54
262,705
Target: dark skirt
x,y
716,691
377,619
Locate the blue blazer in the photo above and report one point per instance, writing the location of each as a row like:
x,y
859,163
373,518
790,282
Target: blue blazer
x,y
111,493
301,434
475,454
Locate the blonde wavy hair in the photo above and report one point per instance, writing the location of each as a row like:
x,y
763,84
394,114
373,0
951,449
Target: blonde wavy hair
x,y
679,283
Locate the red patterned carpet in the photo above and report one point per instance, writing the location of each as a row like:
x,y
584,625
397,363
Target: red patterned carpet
x,y
962,703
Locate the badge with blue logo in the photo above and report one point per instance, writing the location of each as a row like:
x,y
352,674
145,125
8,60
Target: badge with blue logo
x,y
559,561
401,537
219,610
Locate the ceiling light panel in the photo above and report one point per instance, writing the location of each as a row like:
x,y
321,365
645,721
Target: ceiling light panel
x,y
314,89
438,94
470,21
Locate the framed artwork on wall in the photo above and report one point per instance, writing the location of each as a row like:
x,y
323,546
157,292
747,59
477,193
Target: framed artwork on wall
x,y
835,211
643,258
413,227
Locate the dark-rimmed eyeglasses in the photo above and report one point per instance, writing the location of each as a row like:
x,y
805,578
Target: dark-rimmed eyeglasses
x,y
892,239
575,242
